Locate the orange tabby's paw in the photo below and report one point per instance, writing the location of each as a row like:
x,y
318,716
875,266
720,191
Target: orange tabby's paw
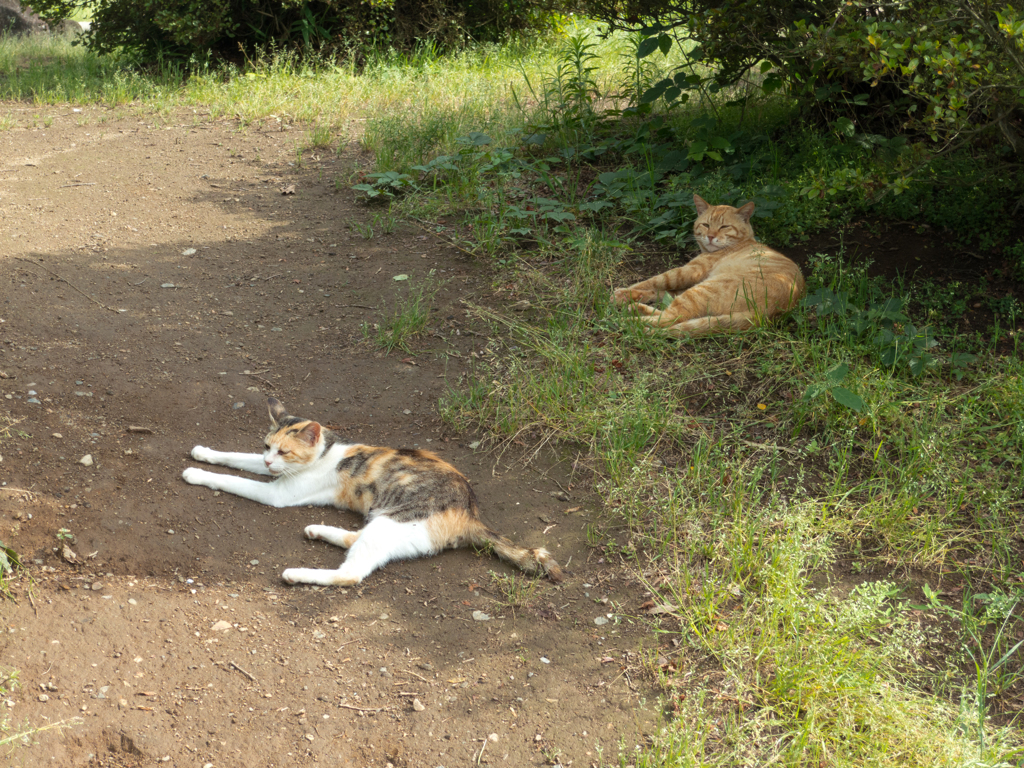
x,y
621,296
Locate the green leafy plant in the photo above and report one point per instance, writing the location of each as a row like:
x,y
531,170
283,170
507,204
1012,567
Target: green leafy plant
x,y
833,378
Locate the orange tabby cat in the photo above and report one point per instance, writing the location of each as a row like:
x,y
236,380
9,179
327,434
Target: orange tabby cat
x,y
735,282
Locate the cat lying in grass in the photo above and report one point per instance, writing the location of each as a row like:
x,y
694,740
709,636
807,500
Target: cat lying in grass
x,y
414,503
735,282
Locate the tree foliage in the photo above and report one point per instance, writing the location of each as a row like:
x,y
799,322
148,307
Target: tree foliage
x,y
948,69
147,29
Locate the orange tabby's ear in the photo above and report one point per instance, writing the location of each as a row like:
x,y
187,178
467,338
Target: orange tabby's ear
x,y
746,211
277,411
310,433
701,204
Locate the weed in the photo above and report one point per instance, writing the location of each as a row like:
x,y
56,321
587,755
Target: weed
x,y
514,590
410,318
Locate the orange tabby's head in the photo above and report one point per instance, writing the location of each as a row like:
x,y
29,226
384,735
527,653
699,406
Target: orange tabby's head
x,y
720,226
292,443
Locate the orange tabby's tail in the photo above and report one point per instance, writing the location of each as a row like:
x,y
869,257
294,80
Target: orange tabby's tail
x,y
537,560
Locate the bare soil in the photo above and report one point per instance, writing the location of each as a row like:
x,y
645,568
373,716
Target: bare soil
x,y
160,277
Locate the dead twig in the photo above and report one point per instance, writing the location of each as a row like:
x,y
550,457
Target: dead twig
x,y
235,666
364,709
73,286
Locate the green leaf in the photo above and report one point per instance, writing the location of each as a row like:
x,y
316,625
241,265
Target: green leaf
x,y
837,374
647,46
847,398
665,44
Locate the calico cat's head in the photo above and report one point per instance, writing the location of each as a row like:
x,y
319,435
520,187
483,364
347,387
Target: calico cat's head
x,y
719,226
292,443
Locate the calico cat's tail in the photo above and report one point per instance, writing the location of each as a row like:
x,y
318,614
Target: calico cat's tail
x,y
537,560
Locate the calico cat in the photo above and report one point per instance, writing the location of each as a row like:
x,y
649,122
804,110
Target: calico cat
x,y
734,283
415,504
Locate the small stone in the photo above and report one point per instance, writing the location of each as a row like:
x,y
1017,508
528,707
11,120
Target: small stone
x,y
32,392
493,738
86,461
560,495
600,621
407,412
474,445
167,285
221,626
170,531
277,330
96,586
189,252
238,405
309,737
132,601
426,665
481,616
43,697
254,562
418,705
383,617
58,435
35,400
545,659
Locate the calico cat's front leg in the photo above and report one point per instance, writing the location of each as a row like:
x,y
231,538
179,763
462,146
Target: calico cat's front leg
x,y
247,462
265,493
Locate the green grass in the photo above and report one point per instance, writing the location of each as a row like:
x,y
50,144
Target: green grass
x,y
409,318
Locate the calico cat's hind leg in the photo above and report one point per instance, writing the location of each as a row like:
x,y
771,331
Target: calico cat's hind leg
x,y
339,537
380,542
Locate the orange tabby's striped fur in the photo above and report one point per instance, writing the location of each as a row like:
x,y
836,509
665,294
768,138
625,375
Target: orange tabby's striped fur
x,y
735,282
414,503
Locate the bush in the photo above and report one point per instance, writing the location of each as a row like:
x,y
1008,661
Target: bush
x,y
149,30
949,70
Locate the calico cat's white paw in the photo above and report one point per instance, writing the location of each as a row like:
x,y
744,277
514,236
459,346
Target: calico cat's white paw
x,y
339,537
193,475
201,453
320,576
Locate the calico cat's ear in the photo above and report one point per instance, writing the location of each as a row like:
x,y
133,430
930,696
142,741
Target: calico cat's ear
x,y
310,433
746,211
277,411
701,204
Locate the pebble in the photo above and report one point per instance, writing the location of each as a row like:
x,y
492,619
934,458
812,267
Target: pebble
x,y
221,626
545,659
474,445
481,616
58,435
600,621
493,738
32,392
35,400
167,285
383,617
132,601
86,461
236,406
254,562
96,586
189,252
43,697
418,705
83,394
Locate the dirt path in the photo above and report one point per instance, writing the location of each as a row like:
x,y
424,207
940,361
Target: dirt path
x,y
156,286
